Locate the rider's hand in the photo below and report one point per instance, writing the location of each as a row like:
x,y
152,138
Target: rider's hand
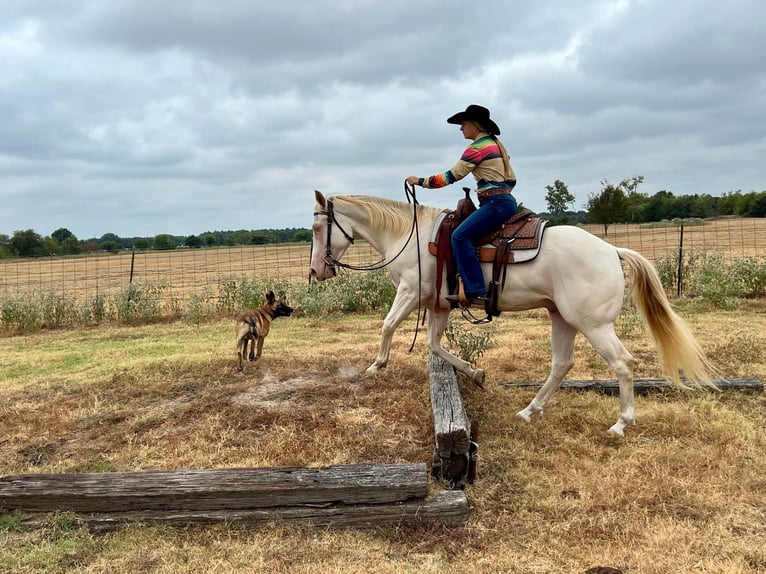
x,y
413,180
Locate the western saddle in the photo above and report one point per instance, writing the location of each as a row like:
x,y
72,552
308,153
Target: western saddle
x,y
517,241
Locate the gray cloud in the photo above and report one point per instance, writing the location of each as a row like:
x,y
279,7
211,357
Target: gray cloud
x,y
138,118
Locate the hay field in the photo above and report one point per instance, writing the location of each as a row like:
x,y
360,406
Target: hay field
x,y
194,272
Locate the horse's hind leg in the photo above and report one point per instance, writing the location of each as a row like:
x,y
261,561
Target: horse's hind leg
x,y
562,347
609,346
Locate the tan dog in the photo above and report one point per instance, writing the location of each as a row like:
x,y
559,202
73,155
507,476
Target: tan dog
x,y
253,326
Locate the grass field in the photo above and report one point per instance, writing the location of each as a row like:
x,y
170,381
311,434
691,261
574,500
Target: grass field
x,y
684,491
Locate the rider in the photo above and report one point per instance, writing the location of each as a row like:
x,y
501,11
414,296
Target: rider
x,y
487,158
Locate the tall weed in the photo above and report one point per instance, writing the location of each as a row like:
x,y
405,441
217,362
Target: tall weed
x,y
713,278
469,342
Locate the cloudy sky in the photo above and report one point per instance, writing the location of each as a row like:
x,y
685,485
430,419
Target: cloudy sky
x,y
183,116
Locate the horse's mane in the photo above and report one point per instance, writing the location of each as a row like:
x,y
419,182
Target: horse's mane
x,y
388,214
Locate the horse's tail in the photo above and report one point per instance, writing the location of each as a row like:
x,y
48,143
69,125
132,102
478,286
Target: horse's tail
x,y
679,349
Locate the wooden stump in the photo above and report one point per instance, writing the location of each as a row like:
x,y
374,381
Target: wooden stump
x,y
344,495
217,489
455,450
447,507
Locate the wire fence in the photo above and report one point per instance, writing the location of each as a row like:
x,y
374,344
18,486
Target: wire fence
x,y
186,273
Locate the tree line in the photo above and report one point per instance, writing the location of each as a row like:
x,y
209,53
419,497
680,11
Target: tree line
x,y
623,203
28,243
615,203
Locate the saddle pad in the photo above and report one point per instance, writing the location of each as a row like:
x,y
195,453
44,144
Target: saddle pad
x,y
437,224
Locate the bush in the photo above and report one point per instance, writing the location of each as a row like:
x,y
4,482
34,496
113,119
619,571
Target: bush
x,y
137,303
469,342
357,292
713,278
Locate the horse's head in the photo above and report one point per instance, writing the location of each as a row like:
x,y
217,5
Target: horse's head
x,y
332,235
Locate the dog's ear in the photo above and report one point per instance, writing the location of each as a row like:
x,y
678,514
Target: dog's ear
x,y
270,297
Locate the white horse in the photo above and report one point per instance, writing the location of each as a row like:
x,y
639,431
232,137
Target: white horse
x,y
577,277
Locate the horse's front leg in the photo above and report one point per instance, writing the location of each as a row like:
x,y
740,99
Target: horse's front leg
x,y
404,303
437,323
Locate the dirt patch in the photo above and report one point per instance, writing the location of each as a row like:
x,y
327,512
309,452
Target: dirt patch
x,y
292,393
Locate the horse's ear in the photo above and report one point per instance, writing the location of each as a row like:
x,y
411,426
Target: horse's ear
x,y
320,198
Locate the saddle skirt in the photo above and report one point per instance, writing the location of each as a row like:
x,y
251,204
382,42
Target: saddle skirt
x,y
521,235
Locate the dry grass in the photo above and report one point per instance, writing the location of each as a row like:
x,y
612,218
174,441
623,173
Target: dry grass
x,y
683,492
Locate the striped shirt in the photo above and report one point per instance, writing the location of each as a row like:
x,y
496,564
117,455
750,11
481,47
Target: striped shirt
x,y
484,159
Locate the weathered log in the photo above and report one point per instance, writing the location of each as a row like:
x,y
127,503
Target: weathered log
x,y
449,508
217,489
452,431
640,386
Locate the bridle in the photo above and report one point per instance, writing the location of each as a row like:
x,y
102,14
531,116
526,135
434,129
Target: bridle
x,y
333,263
329,258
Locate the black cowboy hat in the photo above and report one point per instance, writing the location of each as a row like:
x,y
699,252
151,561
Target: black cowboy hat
x,y
478,114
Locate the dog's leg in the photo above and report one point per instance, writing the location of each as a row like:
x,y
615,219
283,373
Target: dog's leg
x,y
243,335
260,347
253,337
241,350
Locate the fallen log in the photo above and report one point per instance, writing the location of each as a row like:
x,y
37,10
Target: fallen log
x,y
216,489
640,386
449,508
454,453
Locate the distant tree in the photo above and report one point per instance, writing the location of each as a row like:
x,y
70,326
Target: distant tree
x,y
261,238
727,203
704,206
208,239
62,234
609,206
636,201
110,246
71,245
755,206
141,243
5,247
193,241
164,242
26,243
302,235
242,237
109,237
50,246
558,197
660,206
90,246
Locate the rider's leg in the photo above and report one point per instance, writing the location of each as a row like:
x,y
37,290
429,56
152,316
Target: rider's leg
x,y
493,212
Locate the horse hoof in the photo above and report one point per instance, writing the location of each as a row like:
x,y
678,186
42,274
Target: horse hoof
x,y
478,378
523,415
374,368
616,430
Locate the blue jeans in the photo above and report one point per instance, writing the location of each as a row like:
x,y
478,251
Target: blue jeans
x,y
493,211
